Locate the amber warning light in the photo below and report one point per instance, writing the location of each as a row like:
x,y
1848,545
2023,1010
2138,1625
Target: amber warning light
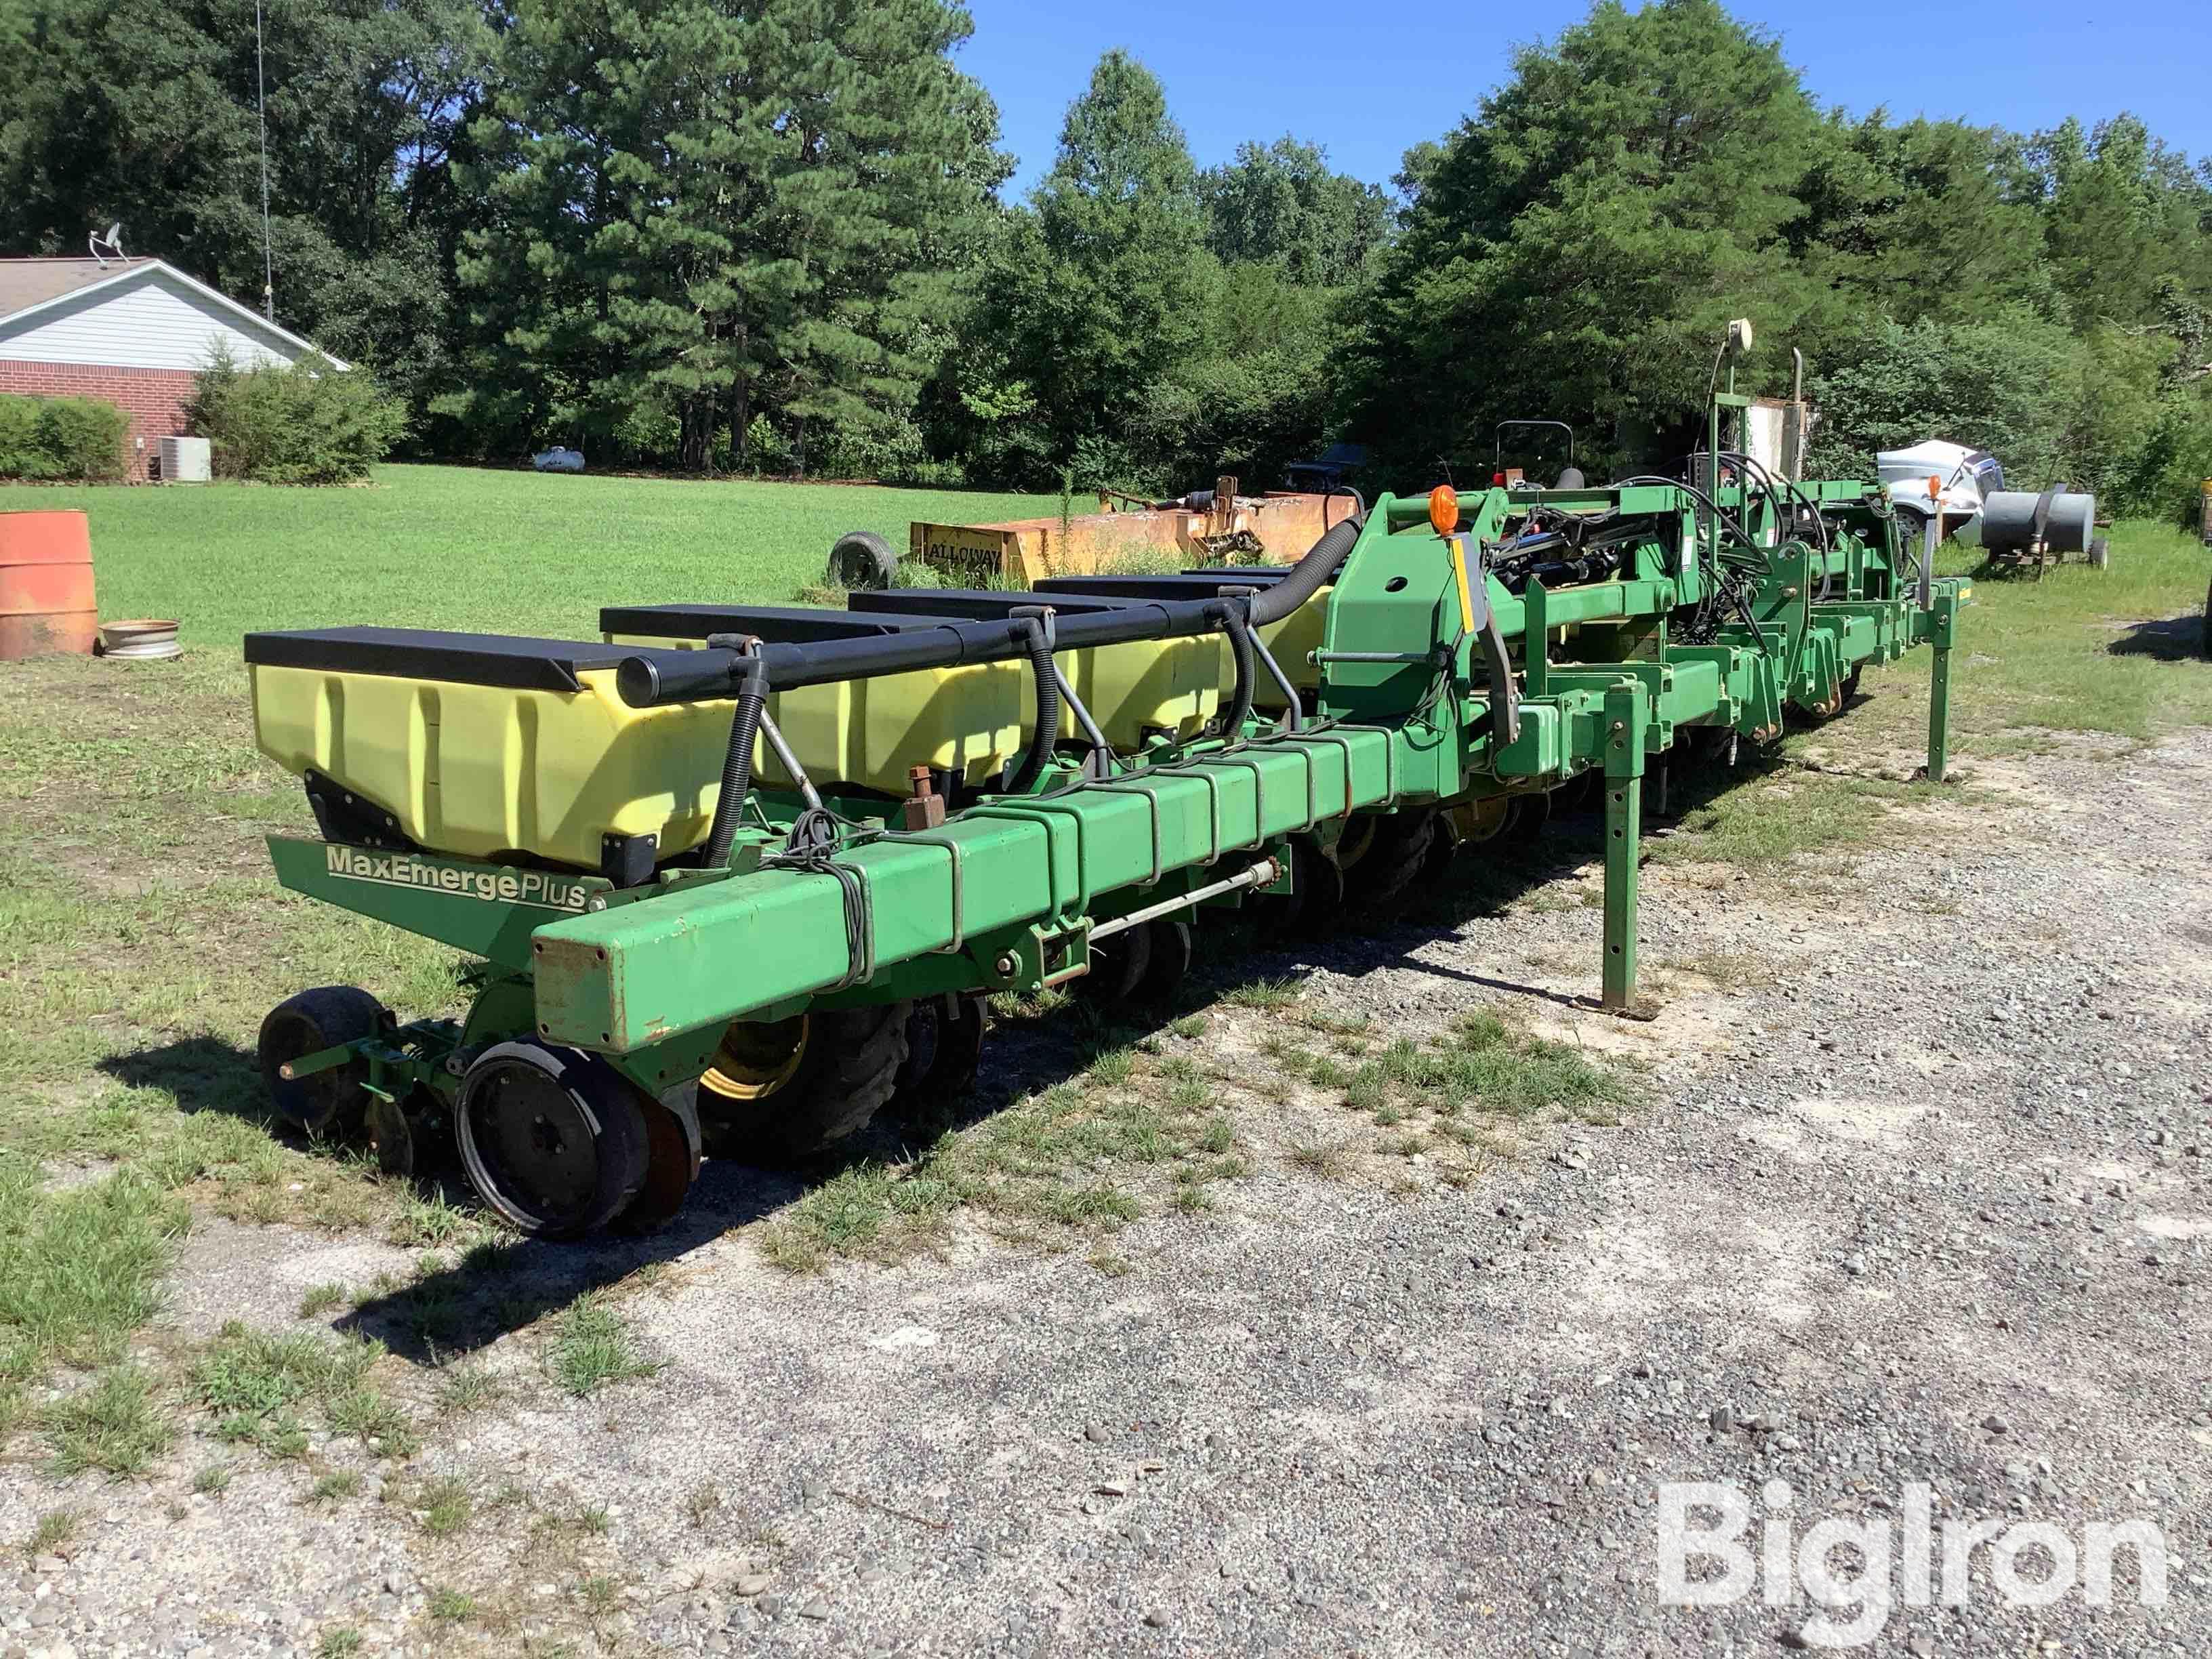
x,y
1444,509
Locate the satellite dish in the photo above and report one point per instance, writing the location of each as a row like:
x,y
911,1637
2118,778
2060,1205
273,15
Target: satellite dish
x,y
112,241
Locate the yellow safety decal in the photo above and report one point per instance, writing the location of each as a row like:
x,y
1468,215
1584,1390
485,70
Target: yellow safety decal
x,y
1458,545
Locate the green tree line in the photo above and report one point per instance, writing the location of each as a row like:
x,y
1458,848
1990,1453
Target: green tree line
x,y
767,235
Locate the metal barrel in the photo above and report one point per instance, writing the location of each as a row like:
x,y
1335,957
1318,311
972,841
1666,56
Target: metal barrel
x,y
46,606
2008,520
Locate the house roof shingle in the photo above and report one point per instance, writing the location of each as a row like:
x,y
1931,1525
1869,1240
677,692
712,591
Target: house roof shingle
x,y
29,282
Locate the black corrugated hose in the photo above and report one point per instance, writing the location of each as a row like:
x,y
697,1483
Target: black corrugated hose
x,y
1310,574
1046,733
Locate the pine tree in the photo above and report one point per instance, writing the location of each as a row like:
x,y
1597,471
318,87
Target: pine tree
x,y
711,213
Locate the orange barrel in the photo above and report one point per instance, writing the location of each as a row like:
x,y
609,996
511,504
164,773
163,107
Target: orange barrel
x,y
45,585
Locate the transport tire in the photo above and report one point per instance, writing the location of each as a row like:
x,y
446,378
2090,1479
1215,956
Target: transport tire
x,y
1174,943
778,1093
328,1103
1404,845
860,559
553,1138
673,1146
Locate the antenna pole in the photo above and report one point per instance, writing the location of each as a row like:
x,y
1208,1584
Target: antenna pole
x,y
261,99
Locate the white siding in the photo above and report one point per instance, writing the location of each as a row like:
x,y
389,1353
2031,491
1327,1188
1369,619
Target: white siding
x,y
151,322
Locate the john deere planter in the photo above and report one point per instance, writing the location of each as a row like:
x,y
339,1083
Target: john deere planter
x,y
740,876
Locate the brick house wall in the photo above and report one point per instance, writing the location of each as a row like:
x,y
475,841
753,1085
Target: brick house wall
x,y
154,399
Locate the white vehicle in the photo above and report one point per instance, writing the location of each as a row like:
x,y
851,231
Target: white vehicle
x,y
1965,478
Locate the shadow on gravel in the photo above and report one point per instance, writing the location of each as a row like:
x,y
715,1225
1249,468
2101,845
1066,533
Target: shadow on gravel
x,y
2178,638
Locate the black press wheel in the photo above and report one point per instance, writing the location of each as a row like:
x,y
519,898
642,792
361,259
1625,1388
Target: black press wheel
x,y
330,1103
862,560
1316,895
1119,964
778,1092
554,1140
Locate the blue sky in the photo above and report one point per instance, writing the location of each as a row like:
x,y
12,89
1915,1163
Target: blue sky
x,y
1365,78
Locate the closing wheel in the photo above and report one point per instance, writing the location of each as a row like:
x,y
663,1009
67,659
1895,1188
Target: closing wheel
x,y
1316,894
390,1137
863,560
944,1047
1403,845
1851,690
1118,964
553,1138
671,1160
1173,945
1531,812
328,1103
782,1091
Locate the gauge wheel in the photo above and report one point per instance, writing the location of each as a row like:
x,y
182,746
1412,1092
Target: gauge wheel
x,y
553,1138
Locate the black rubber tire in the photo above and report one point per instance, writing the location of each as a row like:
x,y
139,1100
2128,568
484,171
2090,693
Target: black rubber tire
x,y
1850,689
1174,944
2205,644
1403,846
848,1072
330,1104
592,1115
861,559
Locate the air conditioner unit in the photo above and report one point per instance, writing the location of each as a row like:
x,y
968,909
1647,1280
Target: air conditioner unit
x,y
184,461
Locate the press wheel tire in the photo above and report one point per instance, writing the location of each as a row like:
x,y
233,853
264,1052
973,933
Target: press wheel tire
x,y
553,1138
1404,843
1850,688
860,559
330,1103
1531,812
846,1068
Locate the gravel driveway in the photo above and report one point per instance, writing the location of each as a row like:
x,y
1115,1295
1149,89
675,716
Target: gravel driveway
x,y
1928,1208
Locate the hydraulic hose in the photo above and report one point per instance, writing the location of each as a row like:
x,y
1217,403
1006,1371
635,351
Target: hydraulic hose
x,y
1046,733
1310,574
738,758
1240,646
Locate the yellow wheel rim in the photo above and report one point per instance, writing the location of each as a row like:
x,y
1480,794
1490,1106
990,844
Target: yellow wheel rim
x,y
753,1061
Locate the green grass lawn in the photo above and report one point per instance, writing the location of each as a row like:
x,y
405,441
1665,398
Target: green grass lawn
x,y
466,548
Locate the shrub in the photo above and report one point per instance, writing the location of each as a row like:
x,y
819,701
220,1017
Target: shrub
x,y
306,422
79,440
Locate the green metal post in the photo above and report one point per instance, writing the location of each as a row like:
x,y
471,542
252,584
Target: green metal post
x,y
1939,687
1625,718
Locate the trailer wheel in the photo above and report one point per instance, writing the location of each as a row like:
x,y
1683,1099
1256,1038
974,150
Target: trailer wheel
x,y
553,1138
782,1091
330,1103
2100,552
862,560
